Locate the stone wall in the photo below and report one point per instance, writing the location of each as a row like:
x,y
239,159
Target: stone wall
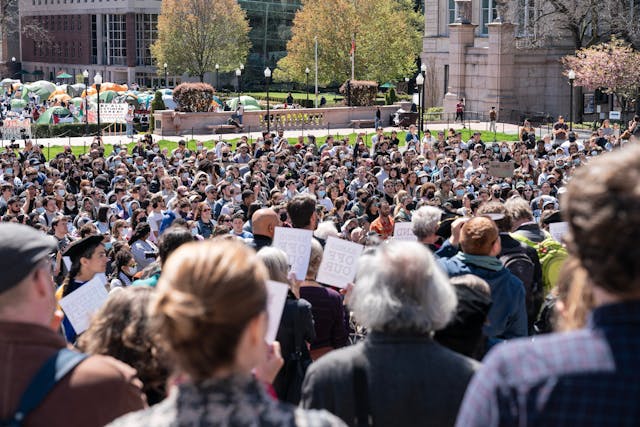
x,y
176,123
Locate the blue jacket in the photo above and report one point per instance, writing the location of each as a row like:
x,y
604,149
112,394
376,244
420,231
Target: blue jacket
x,y
508,314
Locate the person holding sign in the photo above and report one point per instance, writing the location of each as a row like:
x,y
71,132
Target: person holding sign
x,y
88,258
327,307
29,337
209,314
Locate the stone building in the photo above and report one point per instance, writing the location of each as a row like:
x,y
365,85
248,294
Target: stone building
x,y
474,54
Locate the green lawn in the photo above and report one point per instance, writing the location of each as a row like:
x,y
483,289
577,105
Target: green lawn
x,y
52,151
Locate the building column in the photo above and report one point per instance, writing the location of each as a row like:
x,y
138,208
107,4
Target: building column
x,y
500,70
461,37
99,39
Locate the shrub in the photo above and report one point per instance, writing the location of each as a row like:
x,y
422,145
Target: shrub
x,y
157,104
435,113
65,129
391,97
193,97
363,92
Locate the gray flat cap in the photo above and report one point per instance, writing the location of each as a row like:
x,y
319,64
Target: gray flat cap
x,y
21,248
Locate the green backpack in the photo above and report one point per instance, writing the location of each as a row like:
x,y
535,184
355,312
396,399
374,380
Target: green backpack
x,y
552,255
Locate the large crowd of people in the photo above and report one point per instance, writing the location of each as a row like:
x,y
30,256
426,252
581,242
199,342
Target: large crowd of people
x,y
183,239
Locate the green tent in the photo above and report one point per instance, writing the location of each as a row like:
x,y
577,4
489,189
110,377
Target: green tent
x,y
108,95
42,88
47,117
18,104
249,103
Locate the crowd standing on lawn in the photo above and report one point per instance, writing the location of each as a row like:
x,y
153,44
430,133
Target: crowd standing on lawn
x,y
437,331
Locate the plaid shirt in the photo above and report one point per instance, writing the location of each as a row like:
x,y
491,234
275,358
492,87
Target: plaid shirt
x,y
583,378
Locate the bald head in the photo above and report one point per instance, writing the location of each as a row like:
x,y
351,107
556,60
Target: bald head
x,y
264,222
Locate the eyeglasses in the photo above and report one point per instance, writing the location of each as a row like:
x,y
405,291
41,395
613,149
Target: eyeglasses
x,y
206,210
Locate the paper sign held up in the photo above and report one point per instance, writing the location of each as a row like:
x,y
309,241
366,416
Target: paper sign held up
x,y
404,231
80,305
501,169
558,230
296,243
276,297
339,262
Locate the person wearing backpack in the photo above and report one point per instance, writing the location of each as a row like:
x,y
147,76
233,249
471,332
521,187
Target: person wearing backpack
x,y
519,258
44,383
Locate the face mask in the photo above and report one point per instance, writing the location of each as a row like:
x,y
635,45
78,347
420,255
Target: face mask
x,y
460,192
178,155
37,167
322,193
594,153
185,176
156,149
424,179
143,219
283,216
496,149
130,161
116,150
341,155
60,193
108,246
272,158
496,194
117,163
199,147
132,270
292,165
348,164
229,179
504,150
194,231
124,232
40,210
530,182
71,205
69,227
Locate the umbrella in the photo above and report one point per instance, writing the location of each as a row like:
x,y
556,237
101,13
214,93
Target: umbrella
x,y
46,117
388,85
64,76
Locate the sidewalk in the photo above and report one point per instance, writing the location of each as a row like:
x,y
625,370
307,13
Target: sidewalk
x,y
434,127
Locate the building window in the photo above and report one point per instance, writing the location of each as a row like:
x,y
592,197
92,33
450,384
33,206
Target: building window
x,y
66,49
65,27
115,36
452,11
73,49
489,13
146,35
94,40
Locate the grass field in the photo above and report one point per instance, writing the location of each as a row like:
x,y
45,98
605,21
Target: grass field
x,y
52,151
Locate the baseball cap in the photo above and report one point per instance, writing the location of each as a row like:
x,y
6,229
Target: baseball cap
x,y
21,249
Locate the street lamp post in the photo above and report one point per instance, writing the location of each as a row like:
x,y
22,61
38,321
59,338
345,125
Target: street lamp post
x,y
267,76
97,79
306,72
217,77
166,78
572,76
13,67
85,74
238,75
420,83
423,72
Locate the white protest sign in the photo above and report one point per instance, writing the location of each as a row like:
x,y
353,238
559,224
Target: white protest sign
x,y
339,262
276,297
404,231
113,113
11,128
558,230
296,243
82,303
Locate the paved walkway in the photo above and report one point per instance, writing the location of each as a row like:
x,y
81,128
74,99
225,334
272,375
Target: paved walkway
x,y
121,139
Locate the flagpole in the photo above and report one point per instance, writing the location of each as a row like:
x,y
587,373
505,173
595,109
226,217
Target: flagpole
x,y
316,56
353,56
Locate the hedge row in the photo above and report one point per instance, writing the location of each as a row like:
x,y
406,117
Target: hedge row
x,y
71,129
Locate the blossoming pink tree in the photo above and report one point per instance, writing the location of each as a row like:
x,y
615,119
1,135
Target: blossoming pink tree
x,y
613,67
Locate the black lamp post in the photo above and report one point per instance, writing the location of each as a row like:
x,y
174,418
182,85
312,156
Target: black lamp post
x,y
97,79
267,77
420,83
572,76
306,72
13,67
85,74
238,75
217,77
166,78
423,72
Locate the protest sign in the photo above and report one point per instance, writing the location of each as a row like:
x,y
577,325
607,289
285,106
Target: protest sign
x,y
80,305
276,297
404,231
16,128
501,169
113,113
296,243
558,230
339,262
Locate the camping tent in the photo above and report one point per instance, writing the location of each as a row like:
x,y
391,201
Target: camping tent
x,y
42,88
47,116
249,103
